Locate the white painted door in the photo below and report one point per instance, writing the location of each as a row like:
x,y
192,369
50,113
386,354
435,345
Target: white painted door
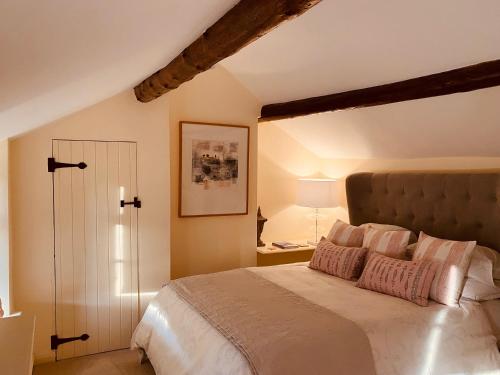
x,y
95,251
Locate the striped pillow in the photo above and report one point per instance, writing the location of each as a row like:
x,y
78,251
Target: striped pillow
x,y
390,243
343,234
454,258
390,227
399,278
344,262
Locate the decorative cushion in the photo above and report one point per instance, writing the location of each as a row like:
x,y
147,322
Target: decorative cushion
x,y
343,234
390,227
341,261
399,278
390,243
454,258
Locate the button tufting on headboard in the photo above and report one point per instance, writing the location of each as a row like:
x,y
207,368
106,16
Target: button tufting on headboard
x,y
453,205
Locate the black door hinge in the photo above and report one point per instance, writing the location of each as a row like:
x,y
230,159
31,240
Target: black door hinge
x,y
56,341
52,165
136,202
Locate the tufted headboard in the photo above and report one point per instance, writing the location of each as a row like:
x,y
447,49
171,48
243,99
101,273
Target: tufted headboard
x,y
452,205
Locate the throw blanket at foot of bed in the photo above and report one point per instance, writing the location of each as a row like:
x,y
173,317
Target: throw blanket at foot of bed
x,y
276,330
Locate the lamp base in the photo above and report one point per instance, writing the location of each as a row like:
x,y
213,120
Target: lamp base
x,y
312,242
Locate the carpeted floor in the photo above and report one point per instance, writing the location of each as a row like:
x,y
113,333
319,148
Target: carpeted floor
x,y
120,362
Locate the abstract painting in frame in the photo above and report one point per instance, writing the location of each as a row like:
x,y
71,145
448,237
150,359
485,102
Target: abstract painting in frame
x,y
213,169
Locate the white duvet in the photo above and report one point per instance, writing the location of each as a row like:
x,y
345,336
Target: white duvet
x,y
406,339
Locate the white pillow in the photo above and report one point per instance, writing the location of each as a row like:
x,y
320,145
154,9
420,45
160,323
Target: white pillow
x,y
479,284
483,263
478,291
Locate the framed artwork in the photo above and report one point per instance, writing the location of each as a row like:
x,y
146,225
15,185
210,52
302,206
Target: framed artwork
x,y
213,169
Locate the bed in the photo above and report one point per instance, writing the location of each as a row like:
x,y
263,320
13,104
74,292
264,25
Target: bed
x,y
178,338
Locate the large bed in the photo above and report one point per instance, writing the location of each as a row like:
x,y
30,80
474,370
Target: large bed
x,y
404,338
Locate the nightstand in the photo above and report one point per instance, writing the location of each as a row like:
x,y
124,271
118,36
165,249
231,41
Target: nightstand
x,y
271,256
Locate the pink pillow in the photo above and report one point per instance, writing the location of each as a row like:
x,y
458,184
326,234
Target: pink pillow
x,y
454,259
399,278
344,262
390,243
343,234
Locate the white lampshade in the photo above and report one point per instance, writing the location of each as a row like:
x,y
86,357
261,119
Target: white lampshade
x,y
316,193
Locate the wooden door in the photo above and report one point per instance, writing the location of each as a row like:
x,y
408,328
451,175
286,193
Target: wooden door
x,y
95,246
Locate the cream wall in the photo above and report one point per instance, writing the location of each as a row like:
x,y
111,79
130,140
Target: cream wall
x,y
282,160
121,117
198,244
209,244
5,257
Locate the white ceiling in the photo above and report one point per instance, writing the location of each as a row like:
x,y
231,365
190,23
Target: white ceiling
x,y
342,45
58,56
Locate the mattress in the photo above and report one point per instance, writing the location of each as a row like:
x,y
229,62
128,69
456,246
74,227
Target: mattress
x,y
405,338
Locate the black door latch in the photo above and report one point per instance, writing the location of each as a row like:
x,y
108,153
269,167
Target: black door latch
x,y
136,203
56,341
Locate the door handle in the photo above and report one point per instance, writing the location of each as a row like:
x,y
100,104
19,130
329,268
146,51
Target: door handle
x,y
136,202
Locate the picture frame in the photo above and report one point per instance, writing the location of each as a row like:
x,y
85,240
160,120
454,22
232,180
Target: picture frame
x,y
213,169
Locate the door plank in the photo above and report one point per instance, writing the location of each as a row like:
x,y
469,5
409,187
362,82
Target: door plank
x,y
134,251
91,260
103,280
115,251
57,241
125,288
78,240
66,282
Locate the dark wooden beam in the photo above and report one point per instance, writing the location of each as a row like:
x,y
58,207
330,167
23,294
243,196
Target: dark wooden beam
x,y
245,22
465,79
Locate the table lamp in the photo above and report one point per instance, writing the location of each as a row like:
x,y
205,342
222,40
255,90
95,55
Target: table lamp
x,y
316,193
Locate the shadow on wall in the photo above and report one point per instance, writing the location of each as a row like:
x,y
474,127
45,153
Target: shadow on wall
x,y
283,160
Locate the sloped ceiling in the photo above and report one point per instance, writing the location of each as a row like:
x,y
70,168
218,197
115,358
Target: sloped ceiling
x,y
341,45
344,45
465,124
59,56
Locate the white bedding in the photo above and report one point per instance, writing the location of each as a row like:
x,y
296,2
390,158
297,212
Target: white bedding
x,y
405,338
492,309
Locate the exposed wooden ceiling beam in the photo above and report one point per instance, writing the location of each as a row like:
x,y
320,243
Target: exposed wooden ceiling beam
x,y
465,79
245,22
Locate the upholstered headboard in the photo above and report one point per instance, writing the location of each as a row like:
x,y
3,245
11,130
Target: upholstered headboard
x,y
451,205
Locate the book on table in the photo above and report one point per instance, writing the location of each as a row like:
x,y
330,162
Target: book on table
x,y
285,245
